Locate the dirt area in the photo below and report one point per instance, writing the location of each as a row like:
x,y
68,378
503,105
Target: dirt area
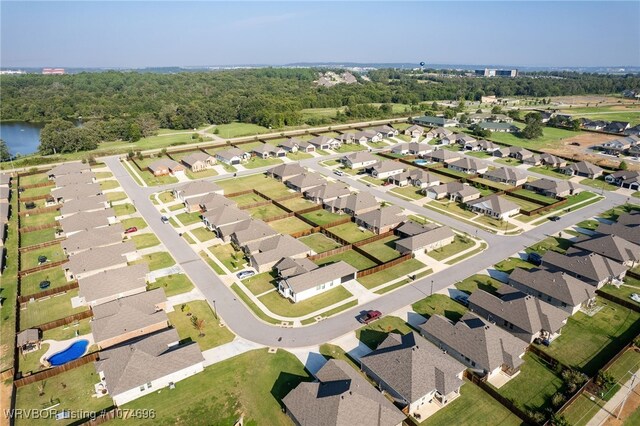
x,y
632,404
6,388
591,100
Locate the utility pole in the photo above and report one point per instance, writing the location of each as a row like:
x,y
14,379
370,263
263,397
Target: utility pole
x,y
633,380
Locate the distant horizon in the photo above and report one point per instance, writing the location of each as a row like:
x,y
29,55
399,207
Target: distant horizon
x,y
136,35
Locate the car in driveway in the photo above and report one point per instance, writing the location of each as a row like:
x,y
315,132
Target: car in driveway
x,y
164,219
370,316
131,230
245,274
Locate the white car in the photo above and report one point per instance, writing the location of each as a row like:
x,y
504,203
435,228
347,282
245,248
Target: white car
x,y
338,172
635,297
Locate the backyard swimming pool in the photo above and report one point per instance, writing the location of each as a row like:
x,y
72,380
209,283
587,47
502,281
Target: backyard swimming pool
x,y
420,162
75,351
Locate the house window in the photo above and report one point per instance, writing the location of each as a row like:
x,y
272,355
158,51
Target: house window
x,y
142,388
149,385
320,287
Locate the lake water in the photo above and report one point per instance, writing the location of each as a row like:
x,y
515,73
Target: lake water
x,y
21,137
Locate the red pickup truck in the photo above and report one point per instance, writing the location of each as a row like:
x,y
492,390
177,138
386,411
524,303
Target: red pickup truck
x,y
370,316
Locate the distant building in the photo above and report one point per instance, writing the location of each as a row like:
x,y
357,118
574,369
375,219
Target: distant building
x,y
53,71
488,72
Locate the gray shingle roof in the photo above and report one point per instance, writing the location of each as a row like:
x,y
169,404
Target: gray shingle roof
x,y
327,190
195,157
584,167
95,237
74,179
306,180
558,285
355,202
164,163
99,258
505,174
255,231
275,248
382,217
589,265
67,168
555,186
495,203
199,187
425,238
324,274
86,220
286,170
113,282
611,246
83,204
80,190
30,335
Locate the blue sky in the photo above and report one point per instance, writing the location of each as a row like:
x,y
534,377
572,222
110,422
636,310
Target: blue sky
x,y
140,34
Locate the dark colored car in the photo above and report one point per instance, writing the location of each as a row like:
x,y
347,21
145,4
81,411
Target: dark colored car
x,y
370,316
535,258
574,144
554,218
130,230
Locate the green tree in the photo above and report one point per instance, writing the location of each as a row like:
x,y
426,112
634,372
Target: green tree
x,y
533,129
496,110
53,136
623,165
514,114
134,133
4,151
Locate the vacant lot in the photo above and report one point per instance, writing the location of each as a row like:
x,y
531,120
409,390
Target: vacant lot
x,y
551,138
185,319
235,130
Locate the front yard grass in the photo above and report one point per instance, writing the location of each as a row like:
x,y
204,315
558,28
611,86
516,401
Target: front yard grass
x,y
266,211
202,234
548,171
189,218
351,232
447,206
390,274
172,284
266,185
221,395
138,222
439,304
511,263
210,172
373,334
460,243
212,334
73,389
495,223
109,184
261,283
383,250
297,156
350,147
289,225
319,242
354,259
158,260
29,259
143,241
116,196
232,259
372,181
322,217
30,284
599,183
255,162
409,191
587,343
557,244
478,281
124,209
281,306
49,309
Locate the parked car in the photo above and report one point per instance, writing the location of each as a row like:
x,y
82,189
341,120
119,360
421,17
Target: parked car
x,y
245,274
131,230
164,219
338,172
535,258
554,218
574,144
635,297
370,316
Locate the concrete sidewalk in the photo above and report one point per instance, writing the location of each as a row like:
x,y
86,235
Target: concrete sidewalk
x,y
236,347
613,405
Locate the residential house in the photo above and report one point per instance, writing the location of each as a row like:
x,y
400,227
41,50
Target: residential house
x,y
147,365
498,127
353,204
592,124
129,317
264,254
611,246
551,161
619,146
305,181
616,127
92,238
626,227
382,219
340,396
224,219
455,191
75,179
113,284
346,138
165,166
400,149
482,346
87,220
552,188
267,150
28,340
414,131
289,266
468,165
583,168
386,131
232,156
438,133
591,268
98,259
431,121
68,168
633,131
489,117
430,239
413,372
199,161
625,179
324,142
195,189
360,160
443,156
415,177
256,230
411,228
209,202
88,204
368,135
554,287
516,152
526,317
326,192
294,145
494,206
506,175
386,168
73,192
284,172
316,281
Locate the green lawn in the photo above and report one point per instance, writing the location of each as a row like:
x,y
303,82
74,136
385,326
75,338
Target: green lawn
x,y
624,291
247,199
525,205
109,184
116,196
235,130
551,138
30,284
212,263
297,204
589,342
53,253
158,260
201,174
203,234
450,206
509,264
319,242
322,217
35,192
189,218
351,232
383,250
104,175
172,284
281,306
599,184
409,191
534,386
297,156
66,332
212,334
138,222
166,196
232,259
373,334
508,161
478,281
390,274
541,199
351,147
502,225
34,179
548,171
557,244
351,257
439,304
38,219
73,389
460,243
145,240
474,407
590,224
289,225
124,209
45,310
491,184
372,181
9,281
266,211
259,181
147,176
261,283
585,197
222,394
31,362
255,162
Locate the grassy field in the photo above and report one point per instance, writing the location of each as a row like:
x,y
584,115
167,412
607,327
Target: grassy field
x,y
232,259
34,192
9,291
53,253
222,394
319,242
351,232
236,130
281,306
383,250
261,283
351,257
45,310
158,260
397,271
73,389
439,304
30,284
289,225
460,243
34,179
588,343
145,240
550,138
172,284
322,217
477,281
373,334
212,334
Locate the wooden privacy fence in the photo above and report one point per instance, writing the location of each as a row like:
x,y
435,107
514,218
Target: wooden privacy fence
x,y
545,208
54,371
626,303
336,237
103,417
337,222
309,209
238,193
367,255
331,252
47,265
305,232
55,224
48,292
256,204
66,320
41,245
34,198
38,185
384,266
287,197
278,217
7,374
39,211
373,239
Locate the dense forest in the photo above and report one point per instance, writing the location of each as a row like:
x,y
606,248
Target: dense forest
x,y
129,105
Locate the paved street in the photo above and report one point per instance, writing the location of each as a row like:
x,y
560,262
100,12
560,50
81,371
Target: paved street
x,y
242,321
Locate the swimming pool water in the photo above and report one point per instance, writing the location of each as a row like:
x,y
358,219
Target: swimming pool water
x,y
75,351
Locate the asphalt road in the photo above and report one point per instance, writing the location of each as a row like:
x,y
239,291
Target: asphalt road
x,y
241,320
